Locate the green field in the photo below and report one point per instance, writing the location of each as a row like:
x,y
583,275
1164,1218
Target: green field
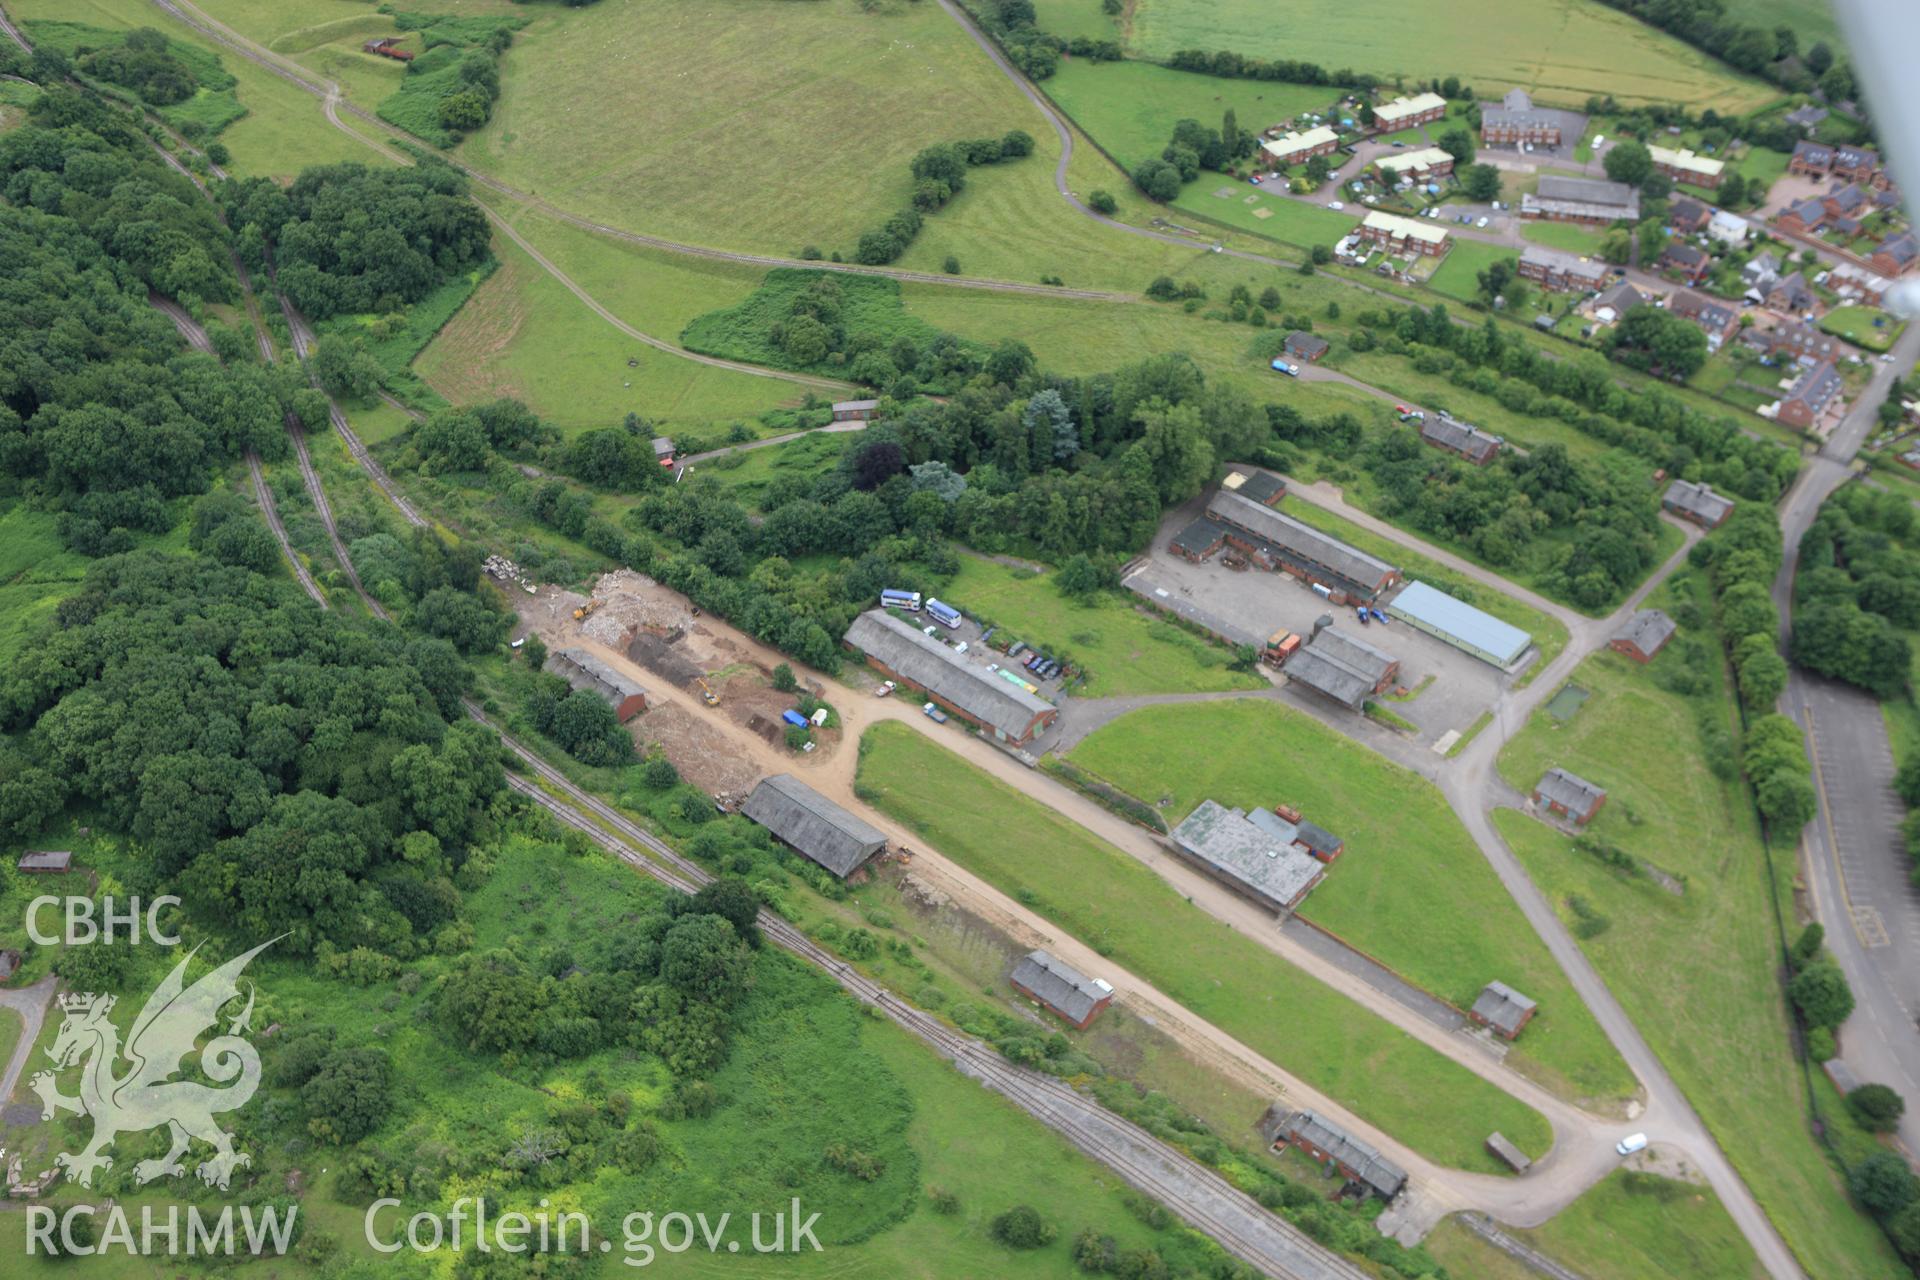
x,y
1241,205
1561,50
1125,910
1458,276
1407,860
1632,1226
1130,108
211,108
1568,237
1858,326
1124,650
1694,971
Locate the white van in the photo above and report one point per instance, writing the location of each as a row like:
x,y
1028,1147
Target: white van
x,y
1631,1143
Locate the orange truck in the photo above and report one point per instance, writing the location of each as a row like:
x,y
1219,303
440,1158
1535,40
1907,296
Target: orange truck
x,y
1281,645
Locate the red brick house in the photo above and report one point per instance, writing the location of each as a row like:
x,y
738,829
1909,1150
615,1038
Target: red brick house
x,y
1568,795
1645,635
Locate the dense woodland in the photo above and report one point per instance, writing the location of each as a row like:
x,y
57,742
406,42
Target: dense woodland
x,y
1856,595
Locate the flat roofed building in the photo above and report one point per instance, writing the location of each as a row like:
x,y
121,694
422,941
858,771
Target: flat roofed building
x,y
1404,113
965,688
1060,987
1558,271
1456,437
1263,487
45,862
813,826
1299,147
1251,861
1403,235
1420,164
1509,1154
1644,636
1569,795
1503,1009
1687,166
594,674
1696,502
1466,628
1306,552
1581,200
1322,1140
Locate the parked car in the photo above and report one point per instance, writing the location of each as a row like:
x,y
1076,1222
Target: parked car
x,y
886,688
1399,144
1482,221
1361,614
1378,616
934,713
1631,1143
1335,205
929,631
961,647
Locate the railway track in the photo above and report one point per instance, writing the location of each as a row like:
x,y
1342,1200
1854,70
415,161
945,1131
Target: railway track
x,y
1196,1193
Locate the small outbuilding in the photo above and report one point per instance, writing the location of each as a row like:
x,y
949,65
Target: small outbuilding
x,y
663,450
813,826
1696,502
592,673
45,862
1568,795
1644,636
1306,346
855,410
1502,1009
1060,987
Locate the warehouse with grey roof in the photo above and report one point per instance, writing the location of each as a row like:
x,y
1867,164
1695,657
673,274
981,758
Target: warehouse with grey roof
x,y
586,670
1322,1140
1342,667
813,826
1243,856
964,687
1059,986
1279,541
1466,628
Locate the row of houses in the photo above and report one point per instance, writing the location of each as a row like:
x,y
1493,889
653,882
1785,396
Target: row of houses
x,y
966,689
1792,341
1560,272
1844,212
1278,542
1823,160
1300,147
1396,234
1806,403
1407,112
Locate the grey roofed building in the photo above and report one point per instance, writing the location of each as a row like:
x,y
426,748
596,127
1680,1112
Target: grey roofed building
x,y
812,825
1583,198
1502,1008
1299,542
1646,632
1471,443
590,672
1697,502
1324,1141
1620,299
968,687
1760,268
1374,665
1806,117
1341,667
1817,387
663,446
1471,630
1791,293
1812,154
1200,539
1263,487
1513,1156
45,861
1569,791
1900,249
1688,215
1233,849
1061,987
1305,345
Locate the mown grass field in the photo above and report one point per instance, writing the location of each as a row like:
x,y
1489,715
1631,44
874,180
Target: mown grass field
x,y
1568,237
1561,50
1124,650
1115,904
1410,889
523,334
1245,207
1866,327
1458,276
1629,1227
1130,107
1696,972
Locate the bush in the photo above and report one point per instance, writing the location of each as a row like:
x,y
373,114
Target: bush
x,y
1022,1227
1877,1107
1820,992
1820,1044
1102,202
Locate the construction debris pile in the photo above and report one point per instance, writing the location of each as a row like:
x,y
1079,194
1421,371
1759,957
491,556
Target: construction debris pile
x,y
630,603
504,570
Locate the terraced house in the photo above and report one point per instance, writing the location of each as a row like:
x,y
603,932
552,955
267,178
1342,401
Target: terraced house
x,y
1517,122
1558,272
1404,235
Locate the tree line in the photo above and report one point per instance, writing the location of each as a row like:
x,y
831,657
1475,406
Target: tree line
x,y
1857,590
939,174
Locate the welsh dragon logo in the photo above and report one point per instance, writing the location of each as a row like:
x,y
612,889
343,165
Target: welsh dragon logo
x,y
145,1096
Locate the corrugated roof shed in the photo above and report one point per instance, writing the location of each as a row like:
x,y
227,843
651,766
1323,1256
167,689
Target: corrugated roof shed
x,y
1569,790
1351,651
1236,850
55,860
1302,542
1646,630
1469,441
1460,623
938,669
1698,500
589,671
1060,986
1262,486
1358,1158
812,825
1502,1007
1199,537
1328,678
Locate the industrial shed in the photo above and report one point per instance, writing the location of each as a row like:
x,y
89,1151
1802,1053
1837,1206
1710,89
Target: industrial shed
x,y
1323,1141
965,688
1060,987
1236,851
813,826
1342,667
1303,550
45,862
1466,628
1263,487
594,674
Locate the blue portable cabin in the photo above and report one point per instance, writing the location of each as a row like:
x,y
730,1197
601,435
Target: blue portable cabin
x,y
795,719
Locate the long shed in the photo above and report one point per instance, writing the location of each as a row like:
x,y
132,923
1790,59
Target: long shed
x,y
1059,986
964,687
813,826
1466,628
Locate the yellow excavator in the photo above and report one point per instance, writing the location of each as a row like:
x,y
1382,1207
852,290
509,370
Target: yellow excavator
x,y
585,611
707,695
